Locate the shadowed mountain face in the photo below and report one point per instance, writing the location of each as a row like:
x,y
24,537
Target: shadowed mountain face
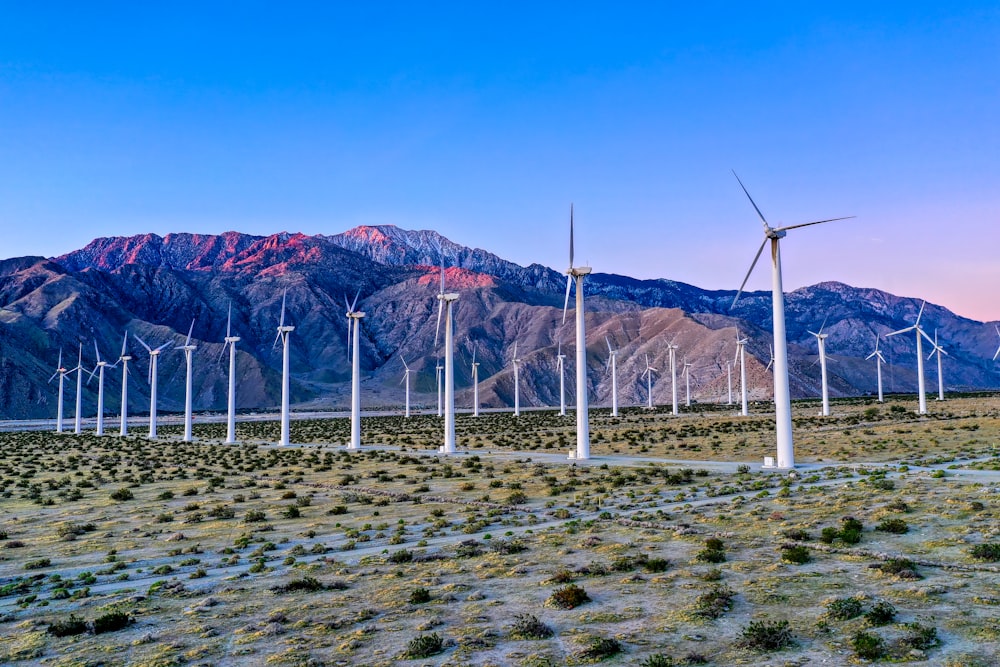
x,y
153,287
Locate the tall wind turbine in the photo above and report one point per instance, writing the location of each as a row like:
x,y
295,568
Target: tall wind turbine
x,y
997,354
154,354
613,366
99,371
124,357
283,334
879,360
687,383
938,350
61,373
188,353
672,348
406,381
741,356
475,383
78,422
230,342
821,343
782,396
446,304
649,383
517,382
577,274
353,329
921,334
561,363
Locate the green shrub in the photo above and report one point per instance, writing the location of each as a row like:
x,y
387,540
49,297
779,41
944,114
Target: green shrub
x,y
714,551
920,637
305,584
881,613
902,568
867,645
765,635
658,660
424,646
74,625
420,596
37,564
895,526
842,609
123,493
797,534
111,621
255,516
714,603
401,556
828,535
569,597
601,648
655,565
527,626
988,552
798,554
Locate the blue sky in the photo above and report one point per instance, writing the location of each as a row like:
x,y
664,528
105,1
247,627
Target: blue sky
x,y
484,121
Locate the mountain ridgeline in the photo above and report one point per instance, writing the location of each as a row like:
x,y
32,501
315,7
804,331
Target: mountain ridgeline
x,y
154,286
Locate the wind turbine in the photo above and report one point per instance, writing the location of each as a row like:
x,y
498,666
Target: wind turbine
x,y
517,384
613,366
475,383
729,378
446,303
577,274
561,362
741,356
649,383
99,371
938,350
283,334
406,381
353,329
78,422
687,384
782,396
998,349
61,373
821,343
879,360
921,398
124,358
154,354
230,342
672,350
188,352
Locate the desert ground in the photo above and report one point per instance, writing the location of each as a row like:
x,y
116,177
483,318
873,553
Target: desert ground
x,y
671,546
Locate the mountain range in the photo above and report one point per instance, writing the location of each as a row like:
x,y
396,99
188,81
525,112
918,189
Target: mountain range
x,y
154,287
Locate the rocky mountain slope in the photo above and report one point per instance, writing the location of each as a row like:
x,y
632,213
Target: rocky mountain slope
x,y
154,286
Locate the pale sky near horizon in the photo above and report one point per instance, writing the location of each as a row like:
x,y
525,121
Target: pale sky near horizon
x,y
484,121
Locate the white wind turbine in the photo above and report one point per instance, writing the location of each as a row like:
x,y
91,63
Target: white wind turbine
x,y
997,354
687,383
577,274
920,333
879,360
613,367
446,303
475,383
561,362
230,342
353,329
825,393
283,334
188,353
124,358
78,422
517,383
99,371
406,381
938,350
154,354
672,348
782,396
729,378
61,373
741,357
649,383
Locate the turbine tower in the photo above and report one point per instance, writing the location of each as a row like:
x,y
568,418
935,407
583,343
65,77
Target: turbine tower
x,y
230,342
577,274
353,329
561,362
921,334
672,350
446,304
438,369
613,367
283,334
687,384
99,371
938,350
154,354
741,356
782,396
406,381
821,343
475,383
61,373
649,383
124,358
879,360
517,384
188,352
78,422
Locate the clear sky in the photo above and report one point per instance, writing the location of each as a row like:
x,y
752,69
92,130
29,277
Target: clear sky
x,y
485,120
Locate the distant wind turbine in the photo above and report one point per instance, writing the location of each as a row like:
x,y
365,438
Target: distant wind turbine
x,y
921,390
672,348
61,373
561,364
938,350
613,367
406,381
124,358
879,360
188,353
516,362
577,274
154,354
99,371
782,396
475,383
286,384
687,383
741,357
729,378
649,383
446,303
230,342
78,422
353,332
997,354
825,391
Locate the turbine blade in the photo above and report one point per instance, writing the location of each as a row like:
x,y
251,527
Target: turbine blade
x,y
818,222
571,236
355,304
752,265
223,351
281,320
97,352
569,283
437,330
910,328
919,314
164,346
442,275
606,340
766,226
124,342
404,363
190,329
